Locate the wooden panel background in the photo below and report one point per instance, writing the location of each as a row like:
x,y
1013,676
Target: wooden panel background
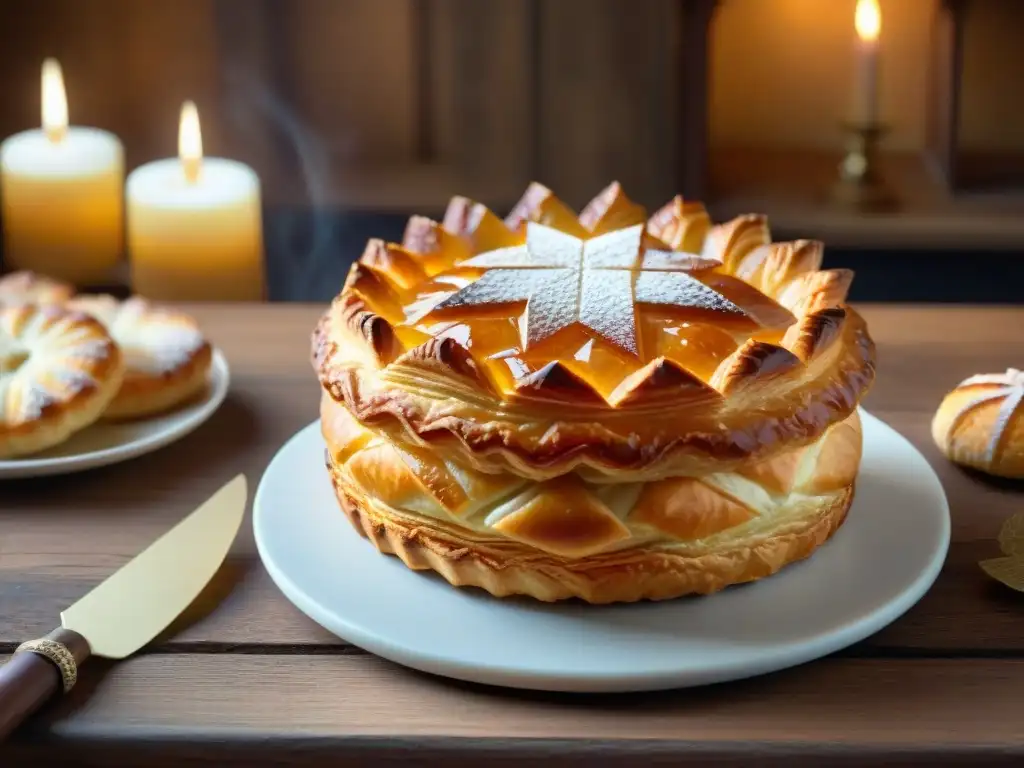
x,y
398,104
483,110
330,99
606,89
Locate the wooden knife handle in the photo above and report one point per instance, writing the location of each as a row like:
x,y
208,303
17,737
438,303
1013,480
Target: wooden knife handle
x,y
35,672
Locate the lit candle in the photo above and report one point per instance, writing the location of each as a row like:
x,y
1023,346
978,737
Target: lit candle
x,y
868,22
61,191
194,227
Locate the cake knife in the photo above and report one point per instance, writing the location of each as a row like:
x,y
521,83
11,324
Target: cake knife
x,y
126,611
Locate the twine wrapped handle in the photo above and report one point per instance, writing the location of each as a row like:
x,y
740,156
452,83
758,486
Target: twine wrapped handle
x,y
37,670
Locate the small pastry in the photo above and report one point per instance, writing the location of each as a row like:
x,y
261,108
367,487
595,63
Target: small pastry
x,y
167,358
26,287
572,406
980,424
59,369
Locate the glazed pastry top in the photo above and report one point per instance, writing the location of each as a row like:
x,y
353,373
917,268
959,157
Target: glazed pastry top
x,y
610,336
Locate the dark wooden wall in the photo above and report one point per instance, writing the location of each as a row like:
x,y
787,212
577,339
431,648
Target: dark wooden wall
x,y
362,102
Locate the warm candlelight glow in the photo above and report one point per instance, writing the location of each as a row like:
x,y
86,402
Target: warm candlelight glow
x,y
868,20
190,141
55,101
194,224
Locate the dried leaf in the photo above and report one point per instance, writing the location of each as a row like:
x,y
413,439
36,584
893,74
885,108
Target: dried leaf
x,y
1011,537
1008,570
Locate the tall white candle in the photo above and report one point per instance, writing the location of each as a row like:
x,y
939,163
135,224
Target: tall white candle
x,y
194,225
61,192
868,23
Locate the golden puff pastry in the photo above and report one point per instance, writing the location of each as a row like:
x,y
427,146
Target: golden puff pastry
x,y
600,542
616,344
167,357
59,369
611,406
980,424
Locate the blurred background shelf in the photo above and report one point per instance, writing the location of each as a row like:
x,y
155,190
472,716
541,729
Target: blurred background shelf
x,y
792,188
356,113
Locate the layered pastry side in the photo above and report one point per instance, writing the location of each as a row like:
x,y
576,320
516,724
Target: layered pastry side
x,y
607,406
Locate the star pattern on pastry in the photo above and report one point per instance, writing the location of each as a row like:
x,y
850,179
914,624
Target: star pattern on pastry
x,y
1008,387
595,283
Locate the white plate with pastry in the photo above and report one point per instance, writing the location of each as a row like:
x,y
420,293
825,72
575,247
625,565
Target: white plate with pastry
x,y
612,423
87,381
106,443
880,562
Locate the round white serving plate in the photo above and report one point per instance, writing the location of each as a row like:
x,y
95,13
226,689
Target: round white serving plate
x,y
876,566
109,443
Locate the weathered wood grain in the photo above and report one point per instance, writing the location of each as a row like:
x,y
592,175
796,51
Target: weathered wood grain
x,y
245,664
607,86
337,706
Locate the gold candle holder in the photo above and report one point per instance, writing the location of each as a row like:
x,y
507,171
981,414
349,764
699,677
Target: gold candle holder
x,y
860,186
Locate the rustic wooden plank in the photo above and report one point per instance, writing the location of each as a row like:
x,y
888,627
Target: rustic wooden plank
x,y
352,64
965,612
59,539
348,706
255,71
607,77
482,108
692,53
944,86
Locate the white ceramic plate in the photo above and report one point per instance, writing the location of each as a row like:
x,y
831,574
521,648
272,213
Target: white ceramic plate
x,y
879,563
103,444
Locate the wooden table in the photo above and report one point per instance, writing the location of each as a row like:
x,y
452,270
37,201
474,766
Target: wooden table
x,y
252,682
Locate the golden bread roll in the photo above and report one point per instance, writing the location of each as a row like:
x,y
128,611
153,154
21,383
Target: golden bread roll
x,y
980,424
611,406
59,369
167,358
25,287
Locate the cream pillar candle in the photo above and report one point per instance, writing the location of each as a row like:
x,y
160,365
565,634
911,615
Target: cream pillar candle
x,y
868,23
61,194
194,225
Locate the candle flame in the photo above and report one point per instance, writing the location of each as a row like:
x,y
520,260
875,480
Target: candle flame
x,y
55,101
190,141
868,20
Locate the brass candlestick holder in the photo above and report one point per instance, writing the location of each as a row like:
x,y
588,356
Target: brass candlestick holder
x,y
860,186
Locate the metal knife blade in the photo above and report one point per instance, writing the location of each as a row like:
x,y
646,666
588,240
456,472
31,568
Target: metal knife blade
x,y
141,599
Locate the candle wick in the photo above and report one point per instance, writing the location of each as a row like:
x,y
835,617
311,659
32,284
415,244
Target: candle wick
x,y
191,166
55,133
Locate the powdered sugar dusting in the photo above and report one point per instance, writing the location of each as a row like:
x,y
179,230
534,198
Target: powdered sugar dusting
x,y
154,341
162,347
552,305
55,356
594,283
616,250
29,400
606,306
678,289
71,380
88,349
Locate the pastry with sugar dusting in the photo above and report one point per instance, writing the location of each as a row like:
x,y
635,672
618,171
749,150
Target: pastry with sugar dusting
x,y
59,371
611,405
26,287
167,357
980,423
